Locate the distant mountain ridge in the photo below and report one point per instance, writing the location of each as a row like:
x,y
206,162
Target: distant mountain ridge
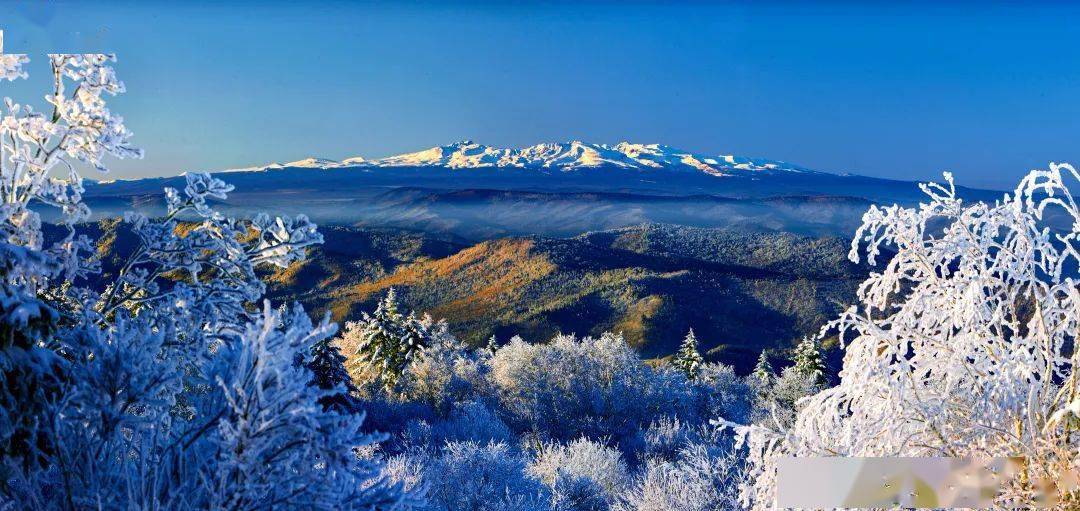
x,y
558,189
560,156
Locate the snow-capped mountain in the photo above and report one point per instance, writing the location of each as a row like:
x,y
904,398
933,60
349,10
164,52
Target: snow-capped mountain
x,y
560,156
477,191
310,163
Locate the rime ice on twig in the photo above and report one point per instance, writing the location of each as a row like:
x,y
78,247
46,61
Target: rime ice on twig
x,y
172,387
962,344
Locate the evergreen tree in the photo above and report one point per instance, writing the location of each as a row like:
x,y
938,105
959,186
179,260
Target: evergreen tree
x,y
387,340
763,371
808,359
327,366
492,345
688,359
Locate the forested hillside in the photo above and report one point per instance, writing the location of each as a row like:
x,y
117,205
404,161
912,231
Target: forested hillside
x,y
741,292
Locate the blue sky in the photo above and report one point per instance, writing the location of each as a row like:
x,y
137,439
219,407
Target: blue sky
x,y
903,91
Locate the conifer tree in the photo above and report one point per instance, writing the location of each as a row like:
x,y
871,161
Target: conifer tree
x,y
387,340
492,345
688,359
808,359
763,370
327,366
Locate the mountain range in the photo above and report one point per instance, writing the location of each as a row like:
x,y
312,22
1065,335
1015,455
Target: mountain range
x,y
477,192
559,156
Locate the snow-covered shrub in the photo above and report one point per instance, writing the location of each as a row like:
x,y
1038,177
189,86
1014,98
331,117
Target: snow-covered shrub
x,y
701,478
407,470
469,475
777,401
445,373
719,392
274,443
473,421
403,421
468,421
169,386
666,438
964,344
578,493
593,387
581,473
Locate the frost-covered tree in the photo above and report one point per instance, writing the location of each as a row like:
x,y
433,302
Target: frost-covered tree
x,y
328,372
808,360
688,359
169,386
386,340
275,444
594,387
78,129
964,344
701,477
582,474
777,401
469,475
444,373
763,370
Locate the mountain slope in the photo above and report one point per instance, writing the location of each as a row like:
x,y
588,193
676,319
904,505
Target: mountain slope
x,y
741,293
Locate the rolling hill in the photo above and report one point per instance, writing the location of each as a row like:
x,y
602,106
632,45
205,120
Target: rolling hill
x,y
740,292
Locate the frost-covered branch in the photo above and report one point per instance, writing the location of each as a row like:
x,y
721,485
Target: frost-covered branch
x,y
964,343
170,386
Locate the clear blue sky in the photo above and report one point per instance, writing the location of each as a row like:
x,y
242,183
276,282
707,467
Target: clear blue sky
x,y
986,91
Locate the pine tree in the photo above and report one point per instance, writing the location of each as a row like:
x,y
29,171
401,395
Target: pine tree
x,y
389,339
492,345
327,366
688,359
763,371
808,359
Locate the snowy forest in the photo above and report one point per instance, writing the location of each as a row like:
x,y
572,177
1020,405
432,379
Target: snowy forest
x,y
176,385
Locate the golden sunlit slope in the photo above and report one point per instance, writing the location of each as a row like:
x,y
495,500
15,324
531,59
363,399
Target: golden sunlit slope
x,y
536,287
739,292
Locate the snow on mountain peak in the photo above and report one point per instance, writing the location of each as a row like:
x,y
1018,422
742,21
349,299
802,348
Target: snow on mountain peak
x,y
313,163
464,154
562,156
